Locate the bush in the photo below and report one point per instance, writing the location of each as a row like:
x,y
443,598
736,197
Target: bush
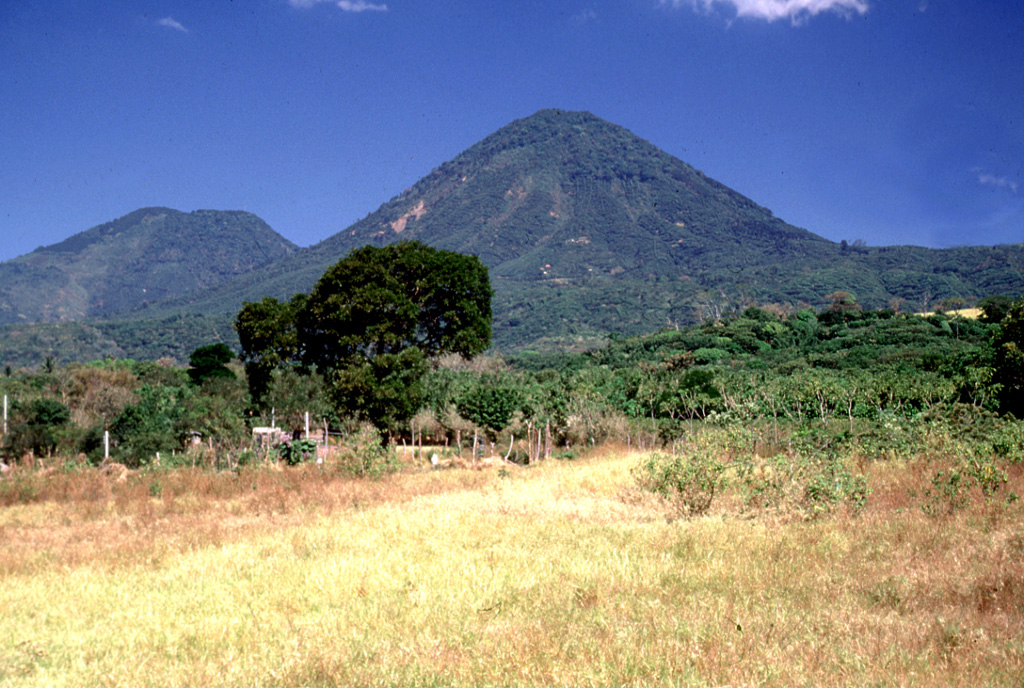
x,y
950,487
366,457
1008,441
294,452
814,485
687,483
830,483
765,484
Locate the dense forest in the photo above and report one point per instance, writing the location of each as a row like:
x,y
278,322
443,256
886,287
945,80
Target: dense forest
x,y
882,381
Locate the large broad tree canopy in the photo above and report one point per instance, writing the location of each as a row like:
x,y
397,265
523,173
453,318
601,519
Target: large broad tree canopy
x,y
383,301
371,325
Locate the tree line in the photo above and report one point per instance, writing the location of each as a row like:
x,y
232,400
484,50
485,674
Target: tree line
x,y
395,337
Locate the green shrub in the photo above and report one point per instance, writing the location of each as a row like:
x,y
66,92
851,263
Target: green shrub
x,y
765,484
294,452
1008,441
951,487
830,483
366,457
985,473
817,485
688,483
947,494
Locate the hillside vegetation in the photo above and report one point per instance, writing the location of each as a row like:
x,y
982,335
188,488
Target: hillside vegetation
x,y
586,230
138,260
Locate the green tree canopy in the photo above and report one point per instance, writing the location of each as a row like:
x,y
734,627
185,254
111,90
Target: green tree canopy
x,y
994,308
386,300
371,325
269,338
210,362
1009,360
36,427
490,403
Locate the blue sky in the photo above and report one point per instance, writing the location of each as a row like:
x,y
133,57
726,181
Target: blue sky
x,y
889,121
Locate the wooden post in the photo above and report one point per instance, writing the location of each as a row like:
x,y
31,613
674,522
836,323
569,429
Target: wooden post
x,y
529,441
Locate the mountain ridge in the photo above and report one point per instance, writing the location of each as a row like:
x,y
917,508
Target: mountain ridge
x,y
588,229
141,258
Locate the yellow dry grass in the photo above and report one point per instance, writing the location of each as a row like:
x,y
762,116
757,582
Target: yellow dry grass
x,y
556,574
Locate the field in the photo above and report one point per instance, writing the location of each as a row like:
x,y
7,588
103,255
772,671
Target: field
x,y
560,573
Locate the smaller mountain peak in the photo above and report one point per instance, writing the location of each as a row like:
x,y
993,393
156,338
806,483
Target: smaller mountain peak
x,y
554,118
557,113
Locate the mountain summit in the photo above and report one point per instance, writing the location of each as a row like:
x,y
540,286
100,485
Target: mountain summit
x,y
567,195
585,226
145,257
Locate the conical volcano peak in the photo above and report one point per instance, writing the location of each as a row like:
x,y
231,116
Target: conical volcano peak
x,y
559,178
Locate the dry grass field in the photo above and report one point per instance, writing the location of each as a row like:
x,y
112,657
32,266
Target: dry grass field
x,y
559,574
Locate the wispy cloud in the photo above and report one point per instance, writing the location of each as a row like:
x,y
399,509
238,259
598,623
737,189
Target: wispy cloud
x,y
361,6
797,11
343,5
585,17
171,23
986,179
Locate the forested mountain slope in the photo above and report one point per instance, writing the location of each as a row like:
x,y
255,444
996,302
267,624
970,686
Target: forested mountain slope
x,y
588,229
140,259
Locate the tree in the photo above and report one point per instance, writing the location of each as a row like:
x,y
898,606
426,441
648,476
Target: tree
x,y
386,300
842,305
376,318
210,362
153,424
269,337
491,404
292,394
1009,360
994,308
36,428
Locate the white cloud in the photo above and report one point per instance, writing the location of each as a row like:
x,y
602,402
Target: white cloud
x,y
796,11
343,5
987,179
171,23
361,6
